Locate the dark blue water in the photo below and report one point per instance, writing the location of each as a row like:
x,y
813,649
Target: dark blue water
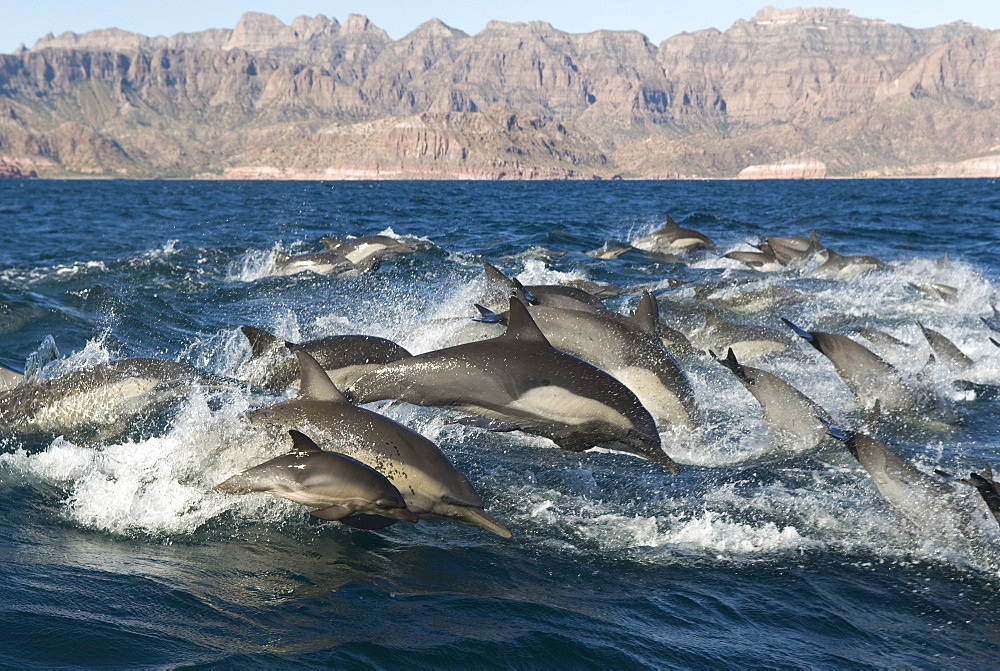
x,y
118,555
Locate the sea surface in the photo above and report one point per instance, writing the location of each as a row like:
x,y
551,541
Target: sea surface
x,y
118,554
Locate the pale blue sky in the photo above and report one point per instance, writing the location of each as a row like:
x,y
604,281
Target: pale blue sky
x,y
27,20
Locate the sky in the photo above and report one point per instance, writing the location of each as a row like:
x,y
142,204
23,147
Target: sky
x,y
24,21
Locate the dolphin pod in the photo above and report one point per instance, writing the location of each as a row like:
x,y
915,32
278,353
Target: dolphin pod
x,y
558,363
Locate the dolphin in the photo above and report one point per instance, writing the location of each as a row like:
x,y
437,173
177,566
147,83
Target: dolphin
x,y
763,260
521,381
865,373
321,263
932,506
749,342
937,290
103,398
341,487
367,251
429,483
839,267
630,350
793,250
609,251
552,295
793,416
673,238
945,350
344,358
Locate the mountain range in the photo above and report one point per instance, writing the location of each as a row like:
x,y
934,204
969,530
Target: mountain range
x,y
789,93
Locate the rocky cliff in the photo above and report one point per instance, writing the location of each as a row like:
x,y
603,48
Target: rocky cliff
x,y
324,99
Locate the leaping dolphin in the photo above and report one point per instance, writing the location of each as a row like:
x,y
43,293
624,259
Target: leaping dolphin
x,y
931,505
368,250
344,358
865,373
630,349
793,250
520,380
793,416
671,238
429,483
341,488
840,267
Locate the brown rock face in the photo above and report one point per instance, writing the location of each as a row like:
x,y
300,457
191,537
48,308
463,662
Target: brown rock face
x,y
323,99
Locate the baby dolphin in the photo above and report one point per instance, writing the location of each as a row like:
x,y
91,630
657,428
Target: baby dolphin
x,y
523,382
429,483
865,373
793,416
674,238
338,485
344,357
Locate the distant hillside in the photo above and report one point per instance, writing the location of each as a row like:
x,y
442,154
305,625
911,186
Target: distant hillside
x,y
321,99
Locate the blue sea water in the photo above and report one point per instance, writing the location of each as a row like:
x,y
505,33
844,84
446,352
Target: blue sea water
x,y
118,555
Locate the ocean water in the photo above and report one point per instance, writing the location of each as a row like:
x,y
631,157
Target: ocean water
x,y
117,554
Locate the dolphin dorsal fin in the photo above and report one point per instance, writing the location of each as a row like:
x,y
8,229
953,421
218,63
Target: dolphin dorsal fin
x,y
987,471
260,340
646,318
669,224
315,384
494,274
303,444
521,327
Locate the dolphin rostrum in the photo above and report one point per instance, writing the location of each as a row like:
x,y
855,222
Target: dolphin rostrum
x,y
339,486
796,418
429,483
522,381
